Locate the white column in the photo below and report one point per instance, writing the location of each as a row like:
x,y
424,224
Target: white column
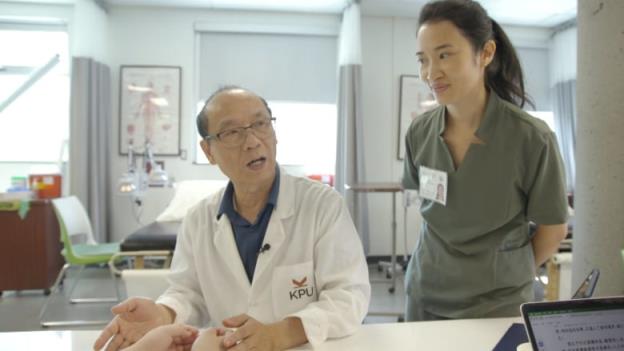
x,y
599,196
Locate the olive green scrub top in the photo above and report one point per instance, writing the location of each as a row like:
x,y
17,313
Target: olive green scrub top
x,y
474,256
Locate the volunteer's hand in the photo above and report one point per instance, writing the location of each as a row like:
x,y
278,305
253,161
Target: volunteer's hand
x,y
133,319
171,337
250,335
209,340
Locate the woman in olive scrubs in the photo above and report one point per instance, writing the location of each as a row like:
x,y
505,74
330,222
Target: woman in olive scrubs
x,y
498,168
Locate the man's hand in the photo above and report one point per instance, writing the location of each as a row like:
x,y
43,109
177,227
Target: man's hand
x,y
133,319
250,335
171,337
253,335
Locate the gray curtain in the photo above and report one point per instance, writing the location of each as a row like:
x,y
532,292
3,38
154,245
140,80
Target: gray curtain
x,y
90,141
564,110
350,146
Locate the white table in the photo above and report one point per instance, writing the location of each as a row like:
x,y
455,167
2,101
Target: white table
x,y
457,335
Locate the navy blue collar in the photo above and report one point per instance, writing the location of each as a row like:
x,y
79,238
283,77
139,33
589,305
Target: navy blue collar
x,y
227,202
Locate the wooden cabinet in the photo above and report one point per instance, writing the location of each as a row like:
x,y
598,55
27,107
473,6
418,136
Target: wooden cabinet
x,y
30,248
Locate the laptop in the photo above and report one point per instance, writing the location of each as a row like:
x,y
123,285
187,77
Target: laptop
x,y
581,324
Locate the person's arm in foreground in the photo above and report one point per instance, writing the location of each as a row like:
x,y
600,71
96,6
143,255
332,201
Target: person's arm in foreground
x,y
134,318
166,338
251,334
210,340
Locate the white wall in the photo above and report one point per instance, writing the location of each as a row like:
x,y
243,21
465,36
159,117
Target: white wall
x,y
535,66
89,31
386,46
13,9
533,46
165,36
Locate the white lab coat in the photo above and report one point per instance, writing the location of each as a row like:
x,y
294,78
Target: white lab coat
x,y
315,268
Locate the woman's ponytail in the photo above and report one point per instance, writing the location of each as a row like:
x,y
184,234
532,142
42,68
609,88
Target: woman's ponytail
x,y
504,73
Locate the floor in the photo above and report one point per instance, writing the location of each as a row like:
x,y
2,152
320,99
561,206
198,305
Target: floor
x,y
19,311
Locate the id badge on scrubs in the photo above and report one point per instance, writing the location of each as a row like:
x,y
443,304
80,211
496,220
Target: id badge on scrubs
x,y
433,184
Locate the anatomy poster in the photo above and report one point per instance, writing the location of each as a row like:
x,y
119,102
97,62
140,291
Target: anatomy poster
x,y
149,109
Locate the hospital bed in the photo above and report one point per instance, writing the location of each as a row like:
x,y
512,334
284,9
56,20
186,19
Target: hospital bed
x,y
154,242
149,249
154,236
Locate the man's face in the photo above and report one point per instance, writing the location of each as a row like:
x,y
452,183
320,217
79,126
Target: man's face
x,y
252,162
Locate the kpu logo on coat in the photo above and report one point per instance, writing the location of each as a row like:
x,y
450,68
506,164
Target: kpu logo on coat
x,y
300,289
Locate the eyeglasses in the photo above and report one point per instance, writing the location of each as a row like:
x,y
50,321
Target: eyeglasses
x,y
236,136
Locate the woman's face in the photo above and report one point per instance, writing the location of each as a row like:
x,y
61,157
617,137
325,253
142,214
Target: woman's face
x,y
449,64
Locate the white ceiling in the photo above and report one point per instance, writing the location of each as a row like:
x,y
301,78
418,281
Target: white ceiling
x,y
322,6
539,13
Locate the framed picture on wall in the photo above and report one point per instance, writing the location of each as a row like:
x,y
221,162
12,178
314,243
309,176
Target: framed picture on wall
x,y
415,98
149,109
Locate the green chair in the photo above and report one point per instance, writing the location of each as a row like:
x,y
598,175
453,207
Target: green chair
x,y
75,227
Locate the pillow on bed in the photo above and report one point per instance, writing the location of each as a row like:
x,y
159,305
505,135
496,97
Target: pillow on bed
x,y
187,194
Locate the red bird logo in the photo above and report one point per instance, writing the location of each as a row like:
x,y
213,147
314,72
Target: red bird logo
x,y
300,283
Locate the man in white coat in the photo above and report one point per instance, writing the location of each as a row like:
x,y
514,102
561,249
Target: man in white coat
x,y
274,256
